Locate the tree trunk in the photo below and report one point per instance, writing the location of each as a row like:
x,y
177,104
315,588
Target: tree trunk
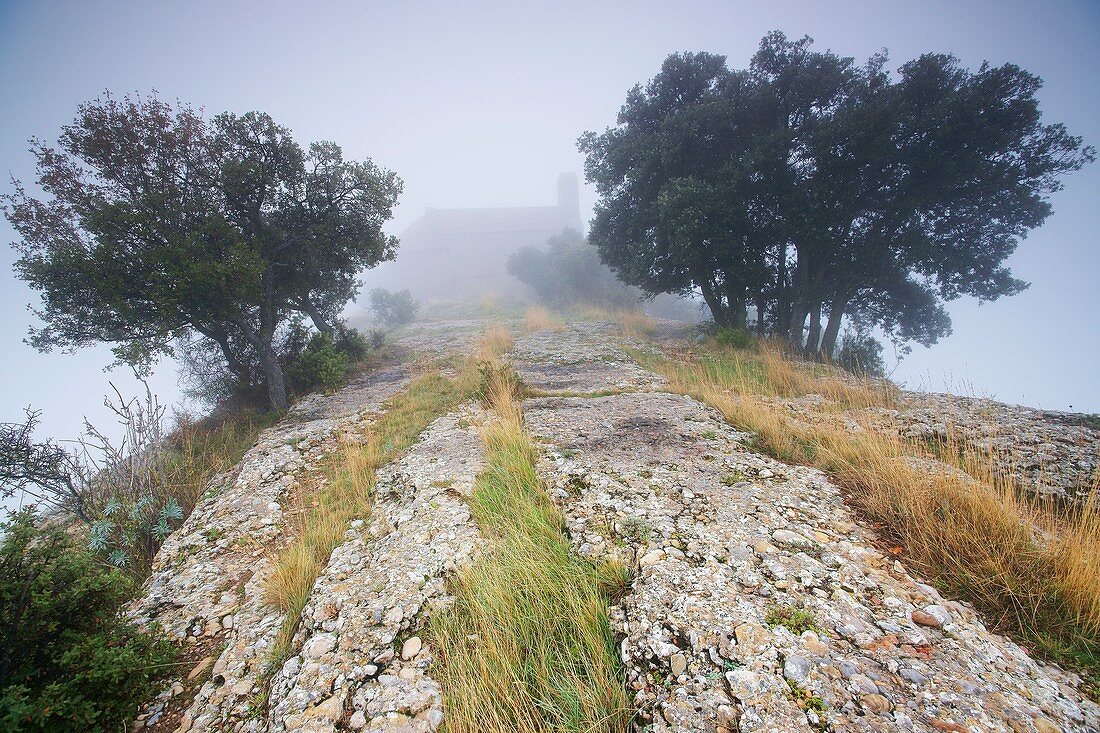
x,y
813,337
236,366
322,325
273,373
832,329
714,302
782,303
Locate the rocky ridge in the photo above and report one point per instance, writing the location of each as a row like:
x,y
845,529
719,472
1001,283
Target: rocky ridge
x,y
759,603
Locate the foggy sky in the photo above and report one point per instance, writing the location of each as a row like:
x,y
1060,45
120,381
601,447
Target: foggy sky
x,y
480,104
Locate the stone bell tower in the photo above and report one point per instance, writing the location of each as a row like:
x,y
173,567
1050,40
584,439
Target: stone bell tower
x,y
569,201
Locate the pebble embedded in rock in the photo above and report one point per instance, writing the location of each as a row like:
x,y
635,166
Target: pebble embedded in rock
x,y
411,647
796,668
678,663
876,703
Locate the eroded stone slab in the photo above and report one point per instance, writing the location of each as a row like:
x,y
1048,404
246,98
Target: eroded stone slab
x,y
729,545
358,667
583,358
206,588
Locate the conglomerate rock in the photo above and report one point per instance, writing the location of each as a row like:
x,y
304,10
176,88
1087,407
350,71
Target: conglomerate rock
x,y
206,588
350,670
759,604
1053,454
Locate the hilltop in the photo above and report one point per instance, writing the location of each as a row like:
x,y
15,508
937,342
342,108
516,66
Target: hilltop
x,y
579,529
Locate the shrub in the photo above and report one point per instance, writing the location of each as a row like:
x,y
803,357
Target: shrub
x,y
349,341
738,338
569,271
393,309
860,353
498,377
68,661
321,364
377,338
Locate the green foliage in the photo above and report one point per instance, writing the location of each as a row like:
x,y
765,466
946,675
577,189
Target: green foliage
x,y
67,660
569,272
349,341
795,619
811,186
130,530
393,309
321,364
860,353
160,225
737,338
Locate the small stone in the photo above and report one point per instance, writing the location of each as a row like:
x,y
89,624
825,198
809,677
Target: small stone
x,y
651,558
318,646
1043,725
926,619
407,673
813,644
751,635
357,721
242,688
678,663
862,683
791,539
796,668
939,613
411,647
199,668
876,703
913,676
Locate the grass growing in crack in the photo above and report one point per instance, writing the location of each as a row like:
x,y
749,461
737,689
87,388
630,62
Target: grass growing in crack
x,y
527,644
795,619
1029,567
633,322
351,478
538,318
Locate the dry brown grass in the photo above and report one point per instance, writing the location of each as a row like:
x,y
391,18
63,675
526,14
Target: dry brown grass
x,y
634,322
538,318
496,341
1033,569
794,379
527,645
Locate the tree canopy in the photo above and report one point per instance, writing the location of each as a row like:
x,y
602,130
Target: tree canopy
x,y
160,225
812,188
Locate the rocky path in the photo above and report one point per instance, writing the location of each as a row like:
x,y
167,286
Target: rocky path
x,y
759,604
206,588
361,664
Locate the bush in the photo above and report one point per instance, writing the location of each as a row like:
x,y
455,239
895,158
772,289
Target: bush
x,y
349,341
68,661
393,309
321,364
860,353
568,272
737,338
